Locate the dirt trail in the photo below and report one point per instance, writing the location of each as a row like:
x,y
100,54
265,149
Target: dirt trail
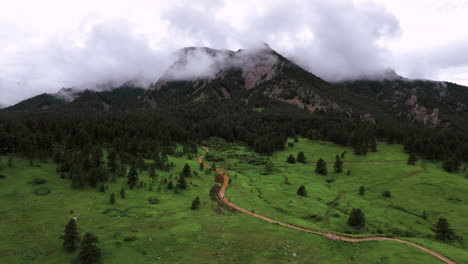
x,y
222,197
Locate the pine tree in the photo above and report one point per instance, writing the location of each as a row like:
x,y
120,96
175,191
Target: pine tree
x,y
321,167
112,161
152,173
338,167
362,190
302,191
132,176
186,171
70,236
291,159
181,183
443,231
301,157
356,218
412,159
268,167
195,203
90,253
112,198
170,186
122,193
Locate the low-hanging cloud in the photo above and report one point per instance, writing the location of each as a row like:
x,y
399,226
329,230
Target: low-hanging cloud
x,y
109,53
335,39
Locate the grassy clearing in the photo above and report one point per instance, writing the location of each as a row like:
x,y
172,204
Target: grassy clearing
x,y
169,232
420,194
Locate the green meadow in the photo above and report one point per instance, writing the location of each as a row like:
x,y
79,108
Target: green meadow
x,y
135,231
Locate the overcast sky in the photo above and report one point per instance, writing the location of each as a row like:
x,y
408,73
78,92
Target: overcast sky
x,y
49,44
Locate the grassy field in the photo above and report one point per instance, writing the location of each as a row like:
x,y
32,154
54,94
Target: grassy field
x,y
169,232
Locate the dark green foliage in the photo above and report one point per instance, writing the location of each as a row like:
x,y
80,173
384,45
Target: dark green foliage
x,y
102,188
181,183
296,139
112,161
356,218
442,230
338,166
348,172
412,159
387,194
291,159
302,191
112,198
321,167
170,186
301,157
268,167
132,177
202,166
70,236
90,253
10,162
152,173
186,171
195,203
451,165
362,190
122,193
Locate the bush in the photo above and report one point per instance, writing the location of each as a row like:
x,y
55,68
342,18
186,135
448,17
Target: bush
x,y
38,181
387,194
153,200
130,238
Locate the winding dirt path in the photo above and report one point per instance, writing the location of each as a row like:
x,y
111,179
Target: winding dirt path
x,y
222,197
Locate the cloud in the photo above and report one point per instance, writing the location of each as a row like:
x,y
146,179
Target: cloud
x,y
334,39
109,51
343,42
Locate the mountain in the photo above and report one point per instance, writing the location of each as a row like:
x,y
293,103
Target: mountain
x,y
261,76
120,98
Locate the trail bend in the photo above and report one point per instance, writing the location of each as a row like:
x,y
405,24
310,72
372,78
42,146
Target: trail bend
x,y
222,197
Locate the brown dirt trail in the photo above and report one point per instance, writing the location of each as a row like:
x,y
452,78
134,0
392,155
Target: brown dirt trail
x,y
222,197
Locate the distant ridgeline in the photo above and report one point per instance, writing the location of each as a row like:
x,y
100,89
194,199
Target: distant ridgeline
x,y
429,118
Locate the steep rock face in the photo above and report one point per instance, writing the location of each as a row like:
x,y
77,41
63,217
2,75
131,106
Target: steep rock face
x,y
250,75
421,114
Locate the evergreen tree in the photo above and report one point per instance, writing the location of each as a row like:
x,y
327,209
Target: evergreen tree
x,y
338,167
301,157
112,198
186,171
132,176
170,186
122,193
412,159
356,218
443,231
451,165
291,159
70,236
181,183
362,190
152,173
112,161
195,203
302,191
321,167
96,157
268,167
90,253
